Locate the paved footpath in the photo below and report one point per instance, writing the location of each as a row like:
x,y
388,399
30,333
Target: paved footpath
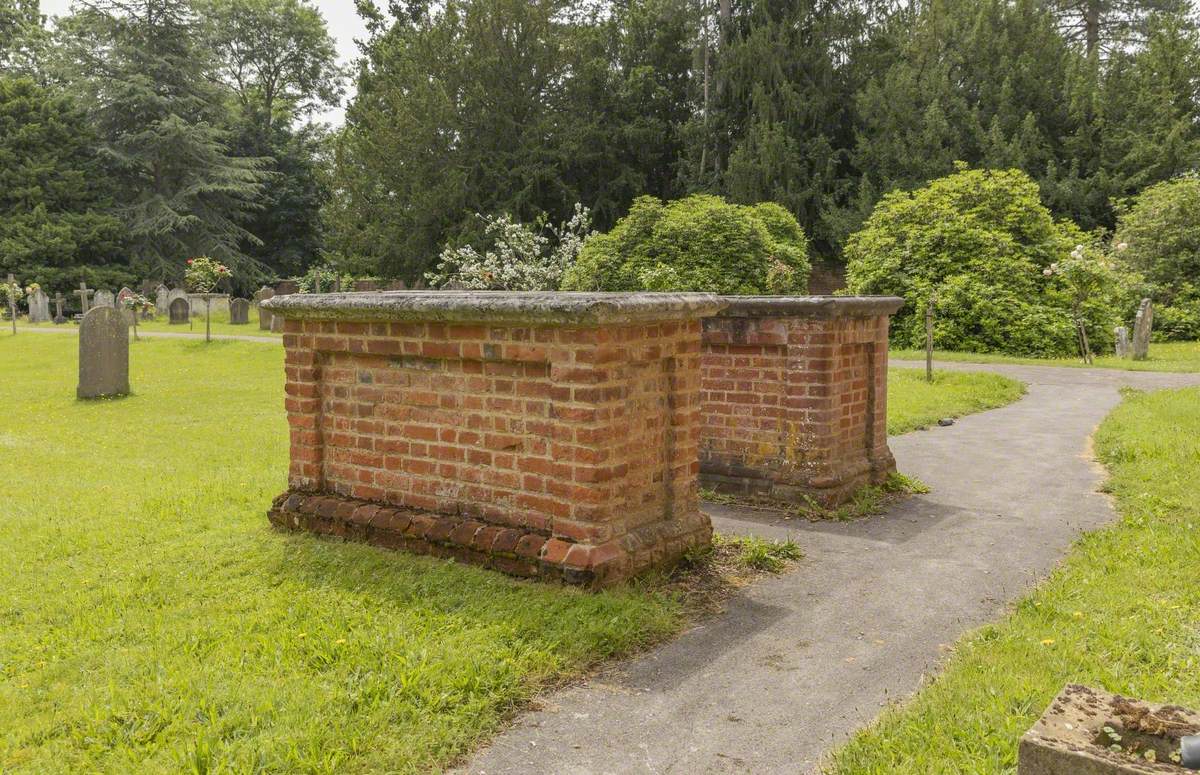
x,y
156,334
799,661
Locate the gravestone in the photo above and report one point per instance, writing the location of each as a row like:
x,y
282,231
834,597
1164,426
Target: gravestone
x,y
1142,326
162,298
178,293
103,354
180,311
104,299
239,312
122,295
1121,334
39,307
264,315
58,315
84,294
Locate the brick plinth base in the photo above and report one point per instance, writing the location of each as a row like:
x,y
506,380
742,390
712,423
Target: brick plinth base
x,y
794,397
547,435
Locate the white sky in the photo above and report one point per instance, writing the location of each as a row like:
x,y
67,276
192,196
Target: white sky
x,y
344,25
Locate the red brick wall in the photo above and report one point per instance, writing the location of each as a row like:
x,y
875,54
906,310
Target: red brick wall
x,y
795,407
585,438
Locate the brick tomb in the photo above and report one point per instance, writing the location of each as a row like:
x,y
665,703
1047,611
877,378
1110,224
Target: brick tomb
x,y
794,396
541,434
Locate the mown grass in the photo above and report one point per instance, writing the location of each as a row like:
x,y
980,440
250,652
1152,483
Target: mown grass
x,y
1166,356
151,621
914,403
1121,613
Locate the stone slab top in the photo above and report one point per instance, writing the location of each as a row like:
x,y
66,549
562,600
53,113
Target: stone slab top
x,y
1071,735
535,307
810,306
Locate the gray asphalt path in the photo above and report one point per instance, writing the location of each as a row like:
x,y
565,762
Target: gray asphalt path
x,y
799,661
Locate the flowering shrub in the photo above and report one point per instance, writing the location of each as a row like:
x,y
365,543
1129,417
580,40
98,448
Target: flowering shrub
x,y
137,302
523,257
1090,283
13,292
981,242
203,274
32,288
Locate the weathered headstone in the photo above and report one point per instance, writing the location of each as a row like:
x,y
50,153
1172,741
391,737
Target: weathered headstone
x,y
84,301
264,315
162,298
239,312
1142,326
180,311
103,354
104,299
39,307
58,304
122,295
1121,334
178,293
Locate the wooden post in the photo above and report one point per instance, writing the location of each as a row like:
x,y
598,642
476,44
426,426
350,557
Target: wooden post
x,y
929,338
12,302
207,317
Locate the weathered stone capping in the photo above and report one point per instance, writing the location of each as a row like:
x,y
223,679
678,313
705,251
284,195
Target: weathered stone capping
x,y
794,396
540,434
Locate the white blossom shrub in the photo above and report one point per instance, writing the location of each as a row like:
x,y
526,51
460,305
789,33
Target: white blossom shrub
x,y
522,257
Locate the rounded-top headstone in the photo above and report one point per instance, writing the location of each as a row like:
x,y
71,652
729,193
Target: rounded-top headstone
x,y
103,354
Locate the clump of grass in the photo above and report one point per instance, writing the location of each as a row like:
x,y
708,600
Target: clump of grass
x,y
1120,614
867,501
914,404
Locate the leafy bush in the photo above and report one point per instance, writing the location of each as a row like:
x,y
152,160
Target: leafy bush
x,y
1162,231
700,243
522,258
982,243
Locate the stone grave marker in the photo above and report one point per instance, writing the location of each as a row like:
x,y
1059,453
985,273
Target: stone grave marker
x,y
1142,326
58,304
84,294
264,315
104,299
180,311
39,307
1121,333
162,298
239,312
122,295
103,354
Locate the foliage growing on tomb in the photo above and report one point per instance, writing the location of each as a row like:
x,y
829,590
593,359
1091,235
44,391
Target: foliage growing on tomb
x,y
700,243
1162,230
980,242
521,257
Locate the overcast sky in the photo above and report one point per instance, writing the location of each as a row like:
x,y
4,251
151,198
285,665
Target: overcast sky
x,y
344,26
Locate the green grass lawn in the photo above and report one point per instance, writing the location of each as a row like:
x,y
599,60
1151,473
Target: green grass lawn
x,y
1167,356
1121,613
914,403
151,621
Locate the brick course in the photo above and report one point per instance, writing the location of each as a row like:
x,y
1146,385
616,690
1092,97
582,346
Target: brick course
x,y
542,443
794,397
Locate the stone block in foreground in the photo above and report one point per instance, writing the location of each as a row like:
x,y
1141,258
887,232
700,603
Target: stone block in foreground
x,y
541,434
1070,738
794,396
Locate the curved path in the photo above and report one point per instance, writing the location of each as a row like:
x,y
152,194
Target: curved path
x,y
801,660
